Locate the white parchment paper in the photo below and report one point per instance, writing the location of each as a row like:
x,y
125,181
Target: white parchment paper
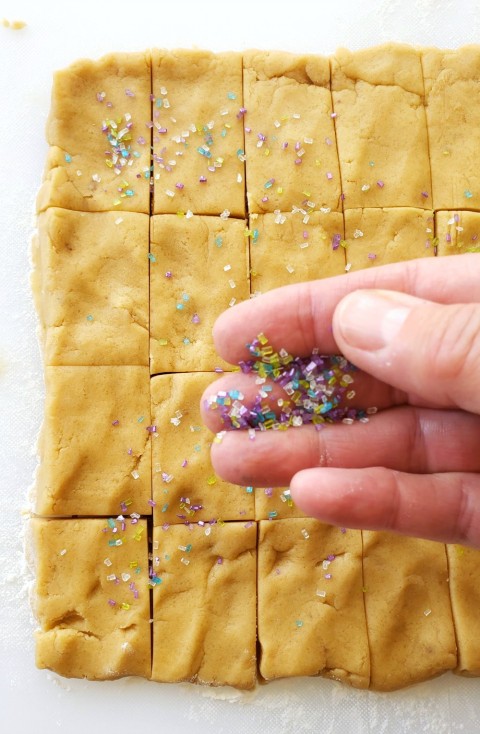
x,y
56,34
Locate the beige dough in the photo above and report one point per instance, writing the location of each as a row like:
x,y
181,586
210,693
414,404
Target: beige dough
x,y
204,608
457,232
78,172
181,437
463,565
381,236
292,248
409,619
381,127
288,119
92,598
132,266
275,503
93,287
207,258
311,619
198,103
90,464
452,98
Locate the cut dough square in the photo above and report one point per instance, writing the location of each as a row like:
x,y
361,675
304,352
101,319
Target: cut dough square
x,y
289,133
92,597
93,278
378,97
199,268
457,232
94,445
198,146
452,94
381,236
295,247
311,618
463,565
275,503
204,604
99,157
185,487
409,619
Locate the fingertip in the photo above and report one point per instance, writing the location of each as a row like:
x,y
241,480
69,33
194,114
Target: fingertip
x,y
329,495
210,417
223,455
220,328
226,330
303,493
216,457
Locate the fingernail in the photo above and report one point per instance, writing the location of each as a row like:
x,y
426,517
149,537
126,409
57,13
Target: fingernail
x,y
371,320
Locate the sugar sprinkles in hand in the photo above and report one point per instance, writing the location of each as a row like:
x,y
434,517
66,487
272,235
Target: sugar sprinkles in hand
x,y
317,389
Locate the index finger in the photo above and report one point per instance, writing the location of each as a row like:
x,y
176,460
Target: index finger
x,y
299,317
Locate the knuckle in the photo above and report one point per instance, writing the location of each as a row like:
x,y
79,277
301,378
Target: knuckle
x,y
306,312
466,527
320,450
454,346
393,513
417,450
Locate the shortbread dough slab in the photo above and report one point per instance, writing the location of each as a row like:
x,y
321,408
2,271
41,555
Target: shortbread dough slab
x,y
199,267
289,133
185,487
409,619
94,444
311,617
295,247
92,597
463,566
204,604
93,287
452,98
457,232
98,131
275,503
381,127
198,146
381,236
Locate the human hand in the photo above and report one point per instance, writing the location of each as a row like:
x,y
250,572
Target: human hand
x,y
413,331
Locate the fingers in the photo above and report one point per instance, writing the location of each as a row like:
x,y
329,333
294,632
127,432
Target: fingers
x,y
404,439
298,317
369,392
443,507
418,346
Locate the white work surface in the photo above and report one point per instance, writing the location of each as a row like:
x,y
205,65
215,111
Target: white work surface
x,y
56,34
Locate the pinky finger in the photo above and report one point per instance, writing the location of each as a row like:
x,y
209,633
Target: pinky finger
x,y
444,507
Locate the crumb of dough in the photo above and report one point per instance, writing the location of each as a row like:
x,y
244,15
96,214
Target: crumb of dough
x,y
14,25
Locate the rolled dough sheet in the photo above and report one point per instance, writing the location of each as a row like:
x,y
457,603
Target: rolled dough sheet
x,y
198,145
92,287
377,97
204,604
463,564
198,269
457,232
99,157
311,617
95,442
295,247
289,134
407,601
92,597
381,236
275,503
452,98
185,487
